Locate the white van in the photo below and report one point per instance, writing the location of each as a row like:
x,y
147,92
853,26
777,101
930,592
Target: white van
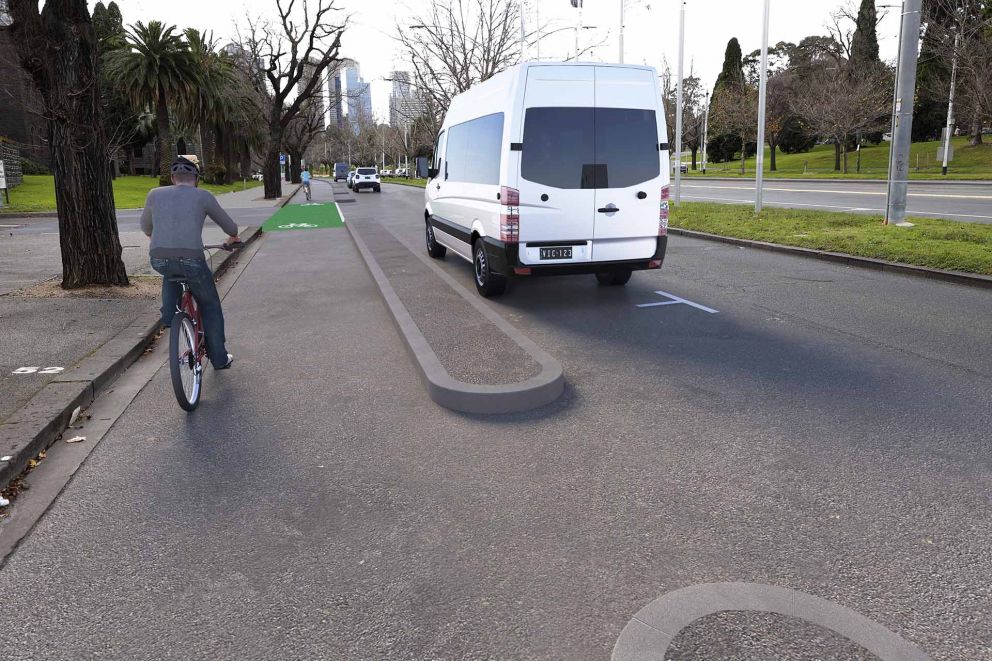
x,y
552,168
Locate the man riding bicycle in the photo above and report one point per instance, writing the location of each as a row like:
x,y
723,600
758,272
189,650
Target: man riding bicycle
x,y
305,177
173,217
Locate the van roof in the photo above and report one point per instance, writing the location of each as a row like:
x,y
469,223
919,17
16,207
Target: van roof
x,y
499,90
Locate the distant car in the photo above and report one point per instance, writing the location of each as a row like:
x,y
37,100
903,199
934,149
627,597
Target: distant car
x,y
401,172
684,168
366,178
386,173
351,178
257,176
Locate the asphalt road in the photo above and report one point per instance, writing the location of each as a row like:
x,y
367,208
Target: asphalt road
x,y
963,202
826,430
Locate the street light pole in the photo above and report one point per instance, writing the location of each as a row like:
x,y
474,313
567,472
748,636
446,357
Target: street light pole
x,y
902,113
950,103
706,128
762,85
678,108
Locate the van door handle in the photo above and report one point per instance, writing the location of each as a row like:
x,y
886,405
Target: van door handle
x,y
608,209
437,186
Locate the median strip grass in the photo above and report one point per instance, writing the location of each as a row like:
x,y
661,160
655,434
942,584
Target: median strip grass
x,y
931,242
37,193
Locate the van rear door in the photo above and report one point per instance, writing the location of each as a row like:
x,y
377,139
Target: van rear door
x,y
627,151
556,210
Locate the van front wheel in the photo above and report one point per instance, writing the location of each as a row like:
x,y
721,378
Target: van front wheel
x,y
613,278
488,283
434,249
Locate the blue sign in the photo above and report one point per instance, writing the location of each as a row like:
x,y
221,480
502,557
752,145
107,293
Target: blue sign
x,y
282,159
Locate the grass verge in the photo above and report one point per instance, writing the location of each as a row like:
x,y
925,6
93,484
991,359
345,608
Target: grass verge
x,y
969,163
419,183
931,242
37,193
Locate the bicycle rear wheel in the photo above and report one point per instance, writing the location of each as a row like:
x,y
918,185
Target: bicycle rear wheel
x,y
184,364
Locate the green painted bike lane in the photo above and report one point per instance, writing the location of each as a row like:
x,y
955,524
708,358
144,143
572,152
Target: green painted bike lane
x,y
306,216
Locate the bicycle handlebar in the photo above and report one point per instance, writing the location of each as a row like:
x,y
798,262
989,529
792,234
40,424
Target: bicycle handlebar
x,y
230,247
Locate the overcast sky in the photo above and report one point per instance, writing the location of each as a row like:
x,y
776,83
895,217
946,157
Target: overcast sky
x,y
650,37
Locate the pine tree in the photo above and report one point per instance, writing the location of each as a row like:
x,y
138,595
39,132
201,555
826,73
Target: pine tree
x,y
733,66
864,43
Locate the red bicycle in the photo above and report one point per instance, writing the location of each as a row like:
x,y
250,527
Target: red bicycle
x,y
187,344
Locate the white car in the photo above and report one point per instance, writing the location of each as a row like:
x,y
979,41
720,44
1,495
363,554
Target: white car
x,y
386,173
366,178
552,168
401,172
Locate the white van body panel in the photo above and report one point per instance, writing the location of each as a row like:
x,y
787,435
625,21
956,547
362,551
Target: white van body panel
x,y
569,216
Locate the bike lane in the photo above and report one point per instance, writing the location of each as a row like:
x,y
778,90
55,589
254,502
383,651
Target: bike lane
x,y
318,505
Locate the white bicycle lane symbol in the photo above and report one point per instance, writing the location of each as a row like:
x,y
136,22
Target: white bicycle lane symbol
x,y
296,226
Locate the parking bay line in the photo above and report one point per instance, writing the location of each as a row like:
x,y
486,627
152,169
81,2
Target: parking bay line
x,y
675,301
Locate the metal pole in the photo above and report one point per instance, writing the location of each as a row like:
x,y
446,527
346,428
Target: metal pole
x,y
678,107
902,117
759,174
950,103
523,42
537,11
622,2
706,128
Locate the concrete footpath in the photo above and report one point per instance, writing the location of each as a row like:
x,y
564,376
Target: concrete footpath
x,y
56,353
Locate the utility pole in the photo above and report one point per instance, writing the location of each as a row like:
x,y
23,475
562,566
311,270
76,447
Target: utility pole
x,y
706,128
678,107
902,113
622,3
759,174
950,102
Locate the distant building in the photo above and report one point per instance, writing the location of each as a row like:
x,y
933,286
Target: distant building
x,y
358,94
405,105
318,102
21,116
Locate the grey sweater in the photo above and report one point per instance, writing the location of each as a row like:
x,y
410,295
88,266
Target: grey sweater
x,y
173,218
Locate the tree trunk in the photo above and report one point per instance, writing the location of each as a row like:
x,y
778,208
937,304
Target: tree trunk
x,y
694,150
772,149
245,154
743,154
845,154
296,165
271,171
976,133
166,145
230,175
836,156
59,48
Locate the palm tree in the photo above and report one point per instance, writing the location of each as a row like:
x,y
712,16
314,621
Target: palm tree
x,y
155,69
210,106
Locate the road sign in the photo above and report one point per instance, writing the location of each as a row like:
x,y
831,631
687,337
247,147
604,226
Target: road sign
x,y
282,159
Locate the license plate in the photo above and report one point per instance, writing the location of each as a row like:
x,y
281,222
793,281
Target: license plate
x,y
556,253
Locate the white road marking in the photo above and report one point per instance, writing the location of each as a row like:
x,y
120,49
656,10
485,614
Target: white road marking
x,y
38,370
845,192
11,225
675,301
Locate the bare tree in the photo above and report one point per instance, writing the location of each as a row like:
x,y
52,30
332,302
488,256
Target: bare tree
x,y
735,111
299,134
58,47
970,23
839,105
289,56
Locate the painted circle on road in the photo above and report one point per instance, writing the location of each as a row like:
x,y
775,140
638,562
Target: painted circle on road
x,y
652,629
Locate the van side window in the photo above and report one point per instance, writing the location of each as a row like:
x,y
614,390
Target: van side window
x,y
474,150
590,147
439,154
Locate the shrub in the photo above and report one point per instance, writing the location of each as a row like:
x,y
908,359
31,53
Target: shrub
x,y
31,167
216,174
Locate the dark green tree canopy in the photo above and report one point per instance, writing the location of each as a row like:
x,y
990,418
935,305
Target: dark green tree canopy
x,y
733,66
864,43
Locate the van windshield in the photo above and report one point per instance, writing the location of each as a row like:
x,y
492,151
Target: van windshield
x,y
590,147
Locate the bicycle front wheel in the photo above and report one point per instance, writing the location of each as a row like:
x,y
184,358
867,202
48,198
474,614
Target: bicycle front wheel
x,y
184,362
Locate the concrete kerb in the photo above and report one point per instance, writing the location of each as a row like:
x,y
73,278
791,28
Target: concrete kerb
x,y
956,277
442,388
39,423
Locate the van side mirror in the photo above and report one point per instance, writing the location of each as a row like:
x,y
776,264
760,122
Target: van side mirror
x,y
431,173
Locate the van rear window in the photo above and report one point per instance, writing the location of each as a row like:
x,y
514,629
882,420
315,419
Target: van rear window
x,y
612,147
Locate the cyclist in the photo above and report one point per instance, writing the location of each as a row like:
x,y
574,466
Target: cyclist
x,y
305,177
173,217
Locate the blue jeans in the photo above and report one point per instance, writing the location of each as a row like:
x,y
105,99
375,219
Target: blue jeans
x,y
200,279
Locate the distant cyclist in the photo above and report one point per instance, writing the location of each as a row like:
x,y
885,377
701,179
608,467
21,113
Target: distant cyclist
x,y
305,177
173,217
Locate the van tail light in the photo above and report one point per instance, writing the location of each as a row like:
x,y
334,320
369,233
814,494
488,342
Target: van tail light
x,y
663,212
509,218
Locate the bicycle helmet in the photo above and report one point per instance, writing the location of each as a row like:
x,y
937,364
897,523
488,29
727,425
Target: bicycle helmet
x,y
185,166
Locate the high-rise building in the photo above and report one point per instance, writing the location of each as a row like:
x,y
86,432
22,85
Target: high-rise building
x,y
358,94
404,104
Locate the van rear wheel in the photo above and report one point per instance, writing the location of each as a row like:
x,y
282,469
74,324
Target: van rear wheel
x,y
434,249
613,278
487,282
